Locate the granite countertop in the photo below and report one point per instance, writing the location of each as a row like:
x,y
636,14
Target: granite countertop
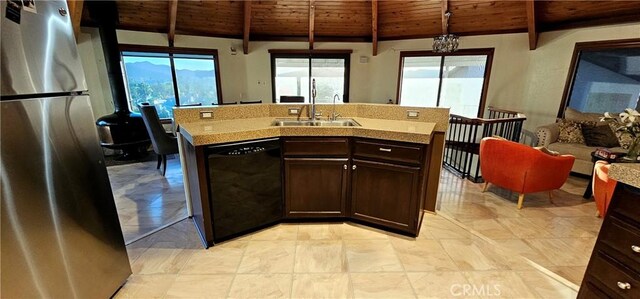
x,y
628,173
233,130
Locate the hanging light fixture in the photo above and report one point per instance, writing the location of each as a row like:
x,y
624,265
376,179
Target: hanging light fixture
x,y
445,43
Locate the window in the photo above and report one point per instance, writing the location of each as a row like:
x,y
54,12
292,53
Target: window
x,y
604,77
293,71
457,80
168,77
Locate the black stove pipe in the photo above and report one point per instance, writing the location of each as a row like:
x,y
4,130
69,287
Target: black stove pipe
x,y
123,129
106,14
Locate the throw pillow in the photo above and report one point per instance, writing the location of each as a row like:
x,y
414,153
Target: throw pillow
x,y
547,151
599,136
624,139
570,132
499,137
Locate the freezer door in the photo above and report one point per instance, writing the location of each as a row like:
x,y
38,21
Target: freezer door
x,y
39,54
61,237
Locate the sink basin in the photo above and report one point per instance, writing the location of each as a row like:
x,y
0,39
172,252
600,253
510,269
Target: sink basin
x,y
315,123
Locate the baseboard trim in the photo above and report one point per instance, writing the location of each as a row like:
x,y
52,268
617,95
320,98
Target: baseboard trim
x,y
154,231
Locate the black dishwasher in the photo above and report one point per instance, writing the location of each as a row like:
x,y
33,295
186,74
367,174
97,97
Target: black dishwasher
x,y
245,186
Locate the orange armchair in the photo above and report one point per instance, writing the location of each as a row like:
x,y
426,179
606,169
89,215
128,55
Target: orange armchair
x,y
603,186
521,168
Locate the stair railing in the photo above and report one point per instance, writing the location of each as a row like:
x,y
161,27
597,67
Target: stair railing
x,y
462,143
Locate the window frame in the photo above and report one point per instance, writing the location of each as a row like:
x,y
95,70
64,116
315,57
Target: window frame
x,y
463,52
171,51
331,54
575,59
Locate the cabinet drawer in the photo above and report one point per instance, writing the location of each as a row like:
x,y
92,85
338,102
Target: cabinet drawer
x,y
611,275
405,153
623,238
336,147
625,202
589,291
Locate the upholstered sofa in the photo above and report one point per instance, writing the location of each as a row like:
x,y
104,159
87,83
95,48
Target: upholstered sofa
x,y
548,137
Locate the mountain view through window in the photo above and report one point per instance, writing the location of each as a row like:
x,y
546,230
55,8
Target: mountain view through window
x,y
149,79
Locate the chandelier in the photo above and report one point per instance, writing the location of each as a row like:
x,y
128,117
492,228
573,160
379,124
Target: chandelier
x,y
445,43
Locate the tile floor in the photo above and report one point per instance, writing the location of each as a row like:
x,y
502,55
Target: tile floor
x,y
558,236
479,245
145,200
337,260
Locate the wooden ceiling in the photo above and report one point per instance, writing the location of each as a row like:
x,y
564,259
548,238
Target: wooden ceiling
x,y
364,20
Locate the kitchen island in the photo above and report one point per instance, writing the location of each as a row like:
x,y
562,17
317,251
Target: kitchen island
x,y
250,166
615,261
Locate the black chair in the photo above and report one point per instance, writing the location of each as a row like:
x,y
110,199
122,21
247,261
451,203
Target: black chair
x,y
251,102
163,143
291,99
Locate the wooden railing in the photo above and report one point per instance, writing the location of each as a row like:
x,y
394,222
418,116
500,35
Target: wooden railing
x,y
462,145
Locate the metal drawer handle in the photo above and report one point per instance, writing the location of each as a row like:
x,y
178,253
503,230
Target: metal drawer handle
x,y
624,285
382,149
345,166
635,248
353,167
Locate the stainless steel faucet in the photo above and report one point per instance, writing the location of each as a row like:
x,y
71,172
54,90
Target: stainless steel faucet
x,y
312,111
334,115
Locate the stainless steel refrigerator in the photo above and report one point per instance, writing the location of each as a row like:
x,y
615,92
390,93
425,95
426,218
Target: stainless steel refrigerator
x,y
61,237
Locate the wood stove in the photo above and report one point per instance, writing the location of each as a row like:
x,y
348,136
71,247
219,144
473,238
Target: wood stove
x,y
122,130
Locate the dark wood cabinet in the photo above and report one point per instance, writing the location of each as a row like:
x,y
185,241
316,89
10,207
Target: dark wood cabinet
x,y
316,176
376,182
385,194
614,267
315,187
373,181
316,147
393,152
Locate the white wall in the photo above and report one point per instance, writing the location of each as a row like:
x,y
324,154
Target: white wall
x,y
95,70
528,81
549,67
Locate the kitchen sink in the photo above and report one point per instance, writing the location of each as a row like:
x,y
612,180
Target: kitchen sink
x,y
315,123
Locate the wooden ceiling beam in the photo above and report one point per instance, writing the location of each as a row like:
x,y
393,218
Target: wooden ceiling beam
x,y
588,23
247,27
355,18
312,12
531,24
75,12
374,26
444,8
173,14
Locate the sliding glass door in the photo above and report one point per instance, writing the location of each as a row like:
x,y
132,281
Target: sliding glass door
x,y
294,72
456,80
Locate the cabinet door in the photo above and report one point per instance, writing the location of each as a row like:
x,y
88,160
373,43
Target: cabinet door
x,y
385,194
315,187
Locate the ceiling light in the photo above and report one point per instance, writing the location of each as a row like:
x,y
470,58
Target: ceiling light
x,y
445,43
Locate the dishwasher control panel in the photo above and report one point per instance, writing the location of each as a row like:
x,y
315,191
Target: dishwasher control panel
x,y
246,150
